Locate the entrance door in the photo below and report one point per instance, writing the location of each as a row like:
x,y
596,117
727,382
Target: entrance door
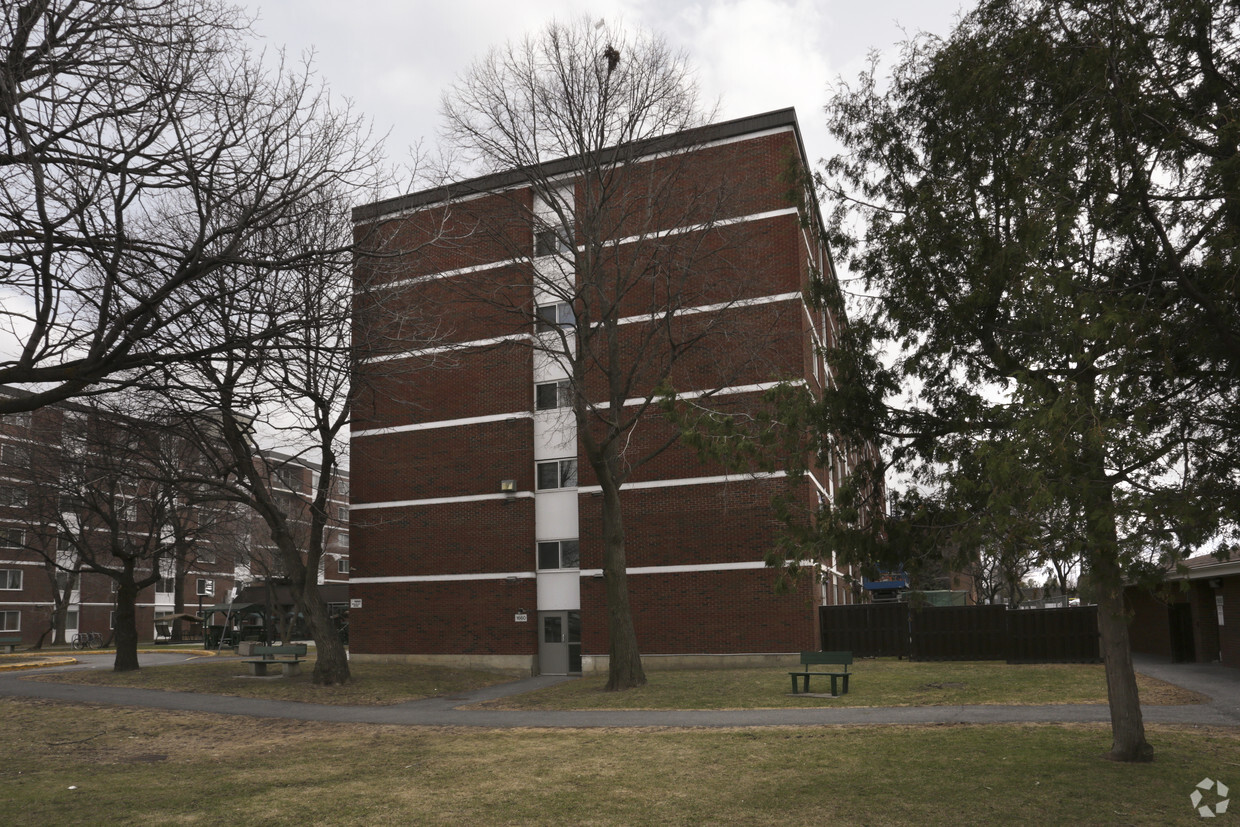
x,y
559,643
1180,617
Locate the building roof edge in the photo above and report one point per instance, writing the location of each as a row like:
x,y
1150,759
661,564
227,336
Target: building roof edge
x,y
500,180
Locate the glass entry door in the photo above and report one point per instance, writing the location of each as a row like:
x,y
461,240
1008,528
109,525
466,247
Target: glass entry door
x,y
559,643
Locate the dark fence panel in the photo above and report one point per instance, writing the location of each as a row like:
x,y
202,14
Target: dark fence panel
x,y
868,630
958,633
1063,635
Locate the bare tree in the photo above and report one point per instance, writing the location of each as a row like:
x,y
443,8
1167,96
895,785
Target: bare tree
x,y
270,414
635,263
146,153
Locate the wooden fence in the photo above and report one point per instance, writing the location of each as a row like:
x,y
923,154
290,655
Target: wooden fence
x,y
1062,635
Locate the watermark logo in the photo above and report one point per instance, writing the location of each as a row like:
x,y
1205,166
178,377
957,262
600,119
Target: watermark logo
x,y
1220,791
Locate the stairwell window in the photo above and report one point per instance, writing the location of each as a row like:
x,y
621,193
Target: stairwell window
x,y
551,395
558,473
553,316
559,554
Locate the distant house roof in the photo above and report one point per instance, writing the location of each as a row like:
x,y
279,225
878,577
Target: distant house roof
x,y
1206,565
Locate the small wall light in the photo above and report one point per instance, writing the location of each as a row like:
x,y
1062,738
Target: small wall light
x,y
510,579
508,486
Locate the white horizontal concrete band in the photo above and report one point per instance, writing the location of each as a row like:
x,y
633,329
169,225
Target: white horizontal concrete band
x,y
714,308
586,489
637,486
694,228
510,262
745,566
750,565
758,387
445,423
471,498
450,348
446,578
504,417
447,274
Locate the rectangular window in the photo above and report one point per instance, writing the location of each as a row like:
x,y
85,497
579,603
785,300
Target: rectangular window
x,y
342,514
558,473
11,579
71,503
15,455
206,588
166,585
551,395
552,316
64,542
12,496
342,565
342,540
289,477
10,621
12,538
21,420
559,554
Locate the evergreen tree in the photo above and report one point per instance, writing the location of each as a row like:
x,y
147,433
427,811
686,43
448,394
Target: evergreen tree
x,y
1044,207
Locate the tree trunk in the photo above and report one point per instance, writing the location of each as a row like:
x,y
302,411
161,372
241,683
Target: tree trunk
x,y
625,661
1127,729
178,597
332,663
125,627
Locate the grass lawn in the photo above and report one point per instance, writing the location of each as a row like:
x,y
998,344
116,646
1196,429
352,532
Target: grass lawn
x,y
877,682
881,682
372,683
78,764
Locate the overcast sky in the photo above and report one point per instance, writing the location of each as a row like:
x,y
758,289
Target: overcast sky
x,y
394,58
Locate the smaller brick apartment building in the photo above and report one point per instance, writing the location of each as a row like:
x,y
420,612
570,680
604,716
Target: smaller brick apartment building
x,y
476,519
1194,616
234,554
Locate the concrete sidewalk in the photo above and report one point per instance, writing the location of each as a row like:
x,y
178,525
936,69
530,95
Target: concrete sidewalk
x,y
1221,684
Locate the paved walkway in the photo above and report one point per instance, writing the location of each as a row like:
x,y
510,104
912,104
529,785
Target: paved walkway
x,y
1220,683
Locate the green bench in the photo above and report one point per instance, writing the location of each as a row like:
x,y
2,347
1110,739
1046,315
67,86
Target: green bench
x,y
288,658
808,659
8,644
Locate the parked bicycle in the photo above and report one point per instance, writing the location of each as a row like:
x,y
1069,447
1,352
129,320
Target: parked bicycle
x,y
87,640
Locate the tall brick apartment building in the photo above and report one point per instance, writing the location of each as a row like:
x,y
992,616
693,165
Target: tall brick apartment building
x,y
475,516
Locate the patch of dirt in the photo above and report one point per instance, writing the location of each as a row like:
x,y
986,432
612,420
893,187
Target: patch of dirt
x,y
926,687
1160,693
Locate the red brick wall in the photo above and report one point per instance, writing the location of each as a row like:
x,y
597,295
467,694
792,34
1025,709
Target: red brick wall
x,y
686,525
444,462
468,383
454,538
704,613
460,617
464,234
